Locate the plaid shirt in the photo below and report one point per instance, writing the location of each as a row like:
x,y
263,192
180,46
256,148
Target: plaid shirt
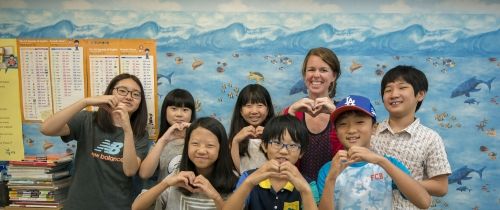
x,y
419,148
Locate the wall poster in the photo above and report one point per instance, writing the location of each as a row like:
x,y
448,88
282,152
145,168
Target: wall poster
x,y
11,137
58,72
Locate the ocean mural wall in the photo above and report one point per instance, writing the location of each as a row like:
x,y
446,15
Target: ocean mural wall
x,y
215,54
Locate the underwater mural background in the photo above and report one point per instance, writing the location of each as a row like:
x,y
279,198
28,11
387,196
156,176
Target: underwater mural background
x,y
214,54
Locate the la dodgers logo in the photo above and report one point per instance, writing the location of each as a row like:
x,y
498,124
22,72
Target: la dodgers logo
x,y
350,102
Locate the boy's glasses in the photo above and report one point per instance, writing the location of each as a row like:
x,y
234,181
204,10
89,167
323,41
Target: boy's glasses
x,y
123,91
279,145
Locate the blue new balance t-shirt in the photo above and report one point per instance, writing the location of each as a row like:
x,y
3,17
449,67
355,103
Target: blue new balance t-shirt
x,y
362,184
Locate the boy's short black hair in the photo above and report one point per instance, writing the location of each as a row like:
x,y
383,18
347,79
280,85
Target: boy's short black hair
x,y
276,127
409,74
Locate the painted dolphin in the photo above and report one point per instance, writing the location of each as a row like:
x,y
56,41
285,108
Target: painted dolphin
x,y
298,87
470,86
168,77
463,174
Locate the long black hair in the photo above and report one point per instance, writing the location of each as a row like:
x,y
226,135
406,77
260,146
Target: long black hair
x,y
252,93
178,98
223,176
138,119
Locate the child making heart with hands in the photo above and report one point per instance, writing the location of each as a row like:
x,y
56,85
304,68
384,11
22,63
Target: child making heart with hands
x,y
111,142
251,112
277,184
177,112
359,178
206,173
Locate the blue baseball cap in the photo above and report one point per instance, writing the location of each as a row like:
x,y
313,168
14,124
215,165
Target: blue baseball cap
x,y
354,102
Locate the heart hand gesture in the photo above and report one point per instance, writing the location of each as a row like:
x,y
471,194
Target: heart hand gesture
x,y
248,132
176,131
182,179
312,107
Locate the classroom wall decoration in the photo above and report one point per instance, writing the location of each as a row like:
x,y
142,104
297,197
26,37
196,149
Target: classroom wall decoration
x,y
215,54
11,148
58,72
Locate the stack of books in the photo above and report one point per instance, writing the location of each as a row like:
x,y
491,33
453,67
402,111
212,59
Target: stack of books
x,y
39,182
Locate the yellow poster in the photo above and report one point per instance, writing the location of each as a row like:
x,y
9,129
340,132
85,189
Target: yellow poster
x,y
11,140
55,73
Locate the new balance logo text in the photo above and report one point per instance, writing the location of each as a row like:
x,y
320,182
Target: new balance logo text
x,y
109,148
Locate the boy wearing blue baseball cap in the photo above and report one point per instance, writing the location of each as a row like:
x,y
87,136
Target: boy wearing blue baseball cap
x,y
357,177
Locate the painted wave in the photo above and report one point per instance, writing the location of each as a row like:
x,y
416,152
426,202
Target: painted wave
x,y
412,40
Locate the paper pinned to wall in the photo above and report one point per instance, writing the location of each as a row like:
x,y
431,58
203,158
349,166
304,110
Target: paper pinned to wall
x,y
11,140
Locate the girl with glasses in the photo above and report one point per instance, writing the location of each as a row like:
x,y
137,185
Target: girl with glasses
x,y
111,144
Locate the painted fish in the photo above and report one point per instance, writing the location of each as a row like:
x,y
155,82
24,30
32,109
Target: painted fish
x,y
179,60
355,66
30,142
257,76
196,63
463,189
286,60
465,88
483,148
47,145
471,101
491,132
492,155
